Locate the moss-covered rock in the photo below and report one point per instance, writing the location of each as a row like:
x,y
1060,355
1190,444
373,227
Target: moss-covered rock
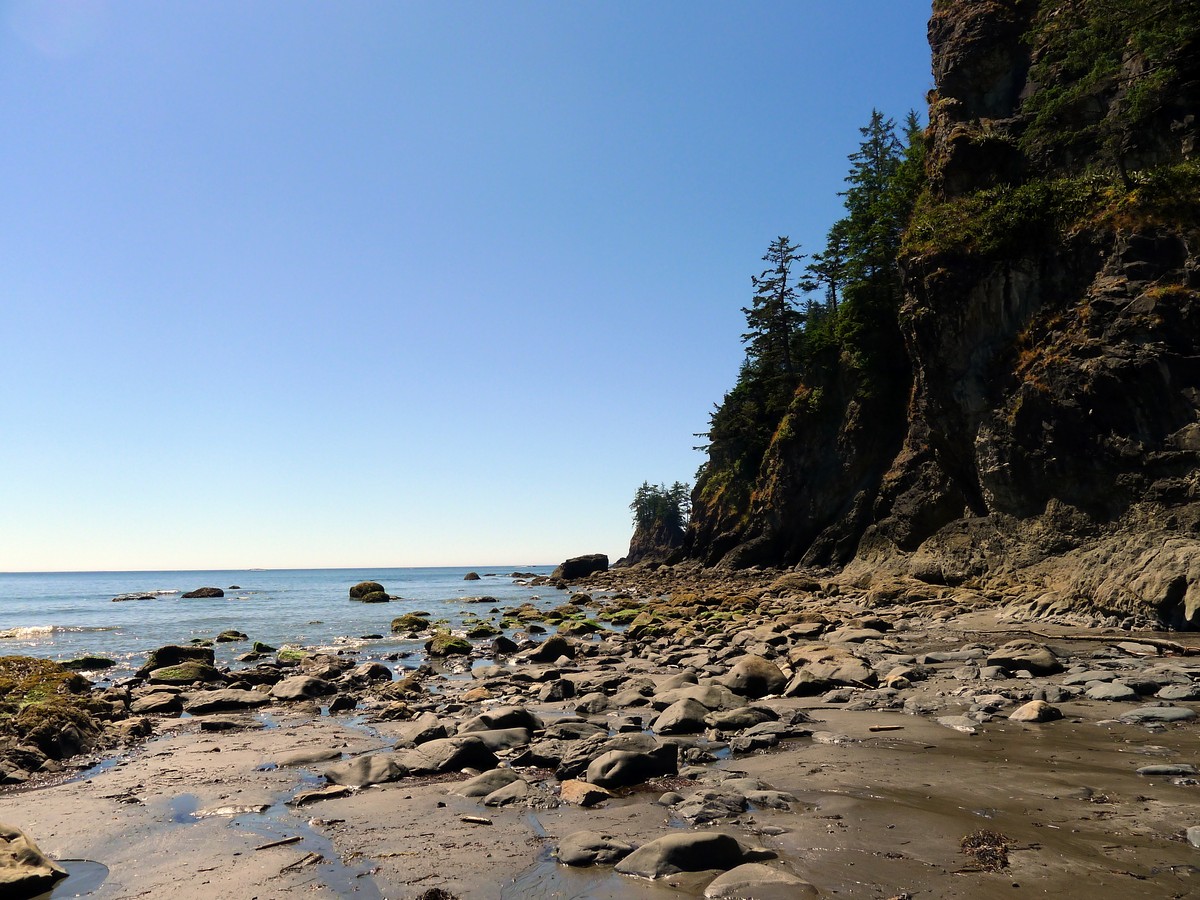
x,y
25,680
483,630
408,623
619,616
185,673
581,626
260,647
374,597
363,588
173,655
291,657
231,636
443,643
89,663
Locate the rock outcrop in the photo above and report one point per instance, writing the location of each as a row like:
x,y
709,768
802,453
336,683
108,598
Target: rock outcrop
x,y
1045,445
580,567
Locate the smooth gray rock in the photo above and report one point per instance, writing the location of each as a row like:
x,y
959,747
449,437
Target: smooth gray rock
x,y
755,881
1030,656
586,848
482,785
1111,690
375,768
301,687
225,699
689,852
1159,714
621,768
682,717
502,717
754,676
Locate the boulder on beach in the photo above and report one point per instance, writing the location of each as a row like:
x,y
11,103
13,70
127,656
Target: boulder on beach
x,y
204,593
758,880
301,687
754,676
223,700
689,852
24,870
185,673
174,655
443,643
581,566
364,588
588,848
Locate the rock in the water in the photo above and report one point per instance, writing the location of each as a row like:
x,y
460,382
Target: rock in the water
x,y
755,881
24,870
365,588
754,676
89,664
204,593
231,636
409,622
471,576
587,848
581,566
689,852
443,643
1036,711
173,655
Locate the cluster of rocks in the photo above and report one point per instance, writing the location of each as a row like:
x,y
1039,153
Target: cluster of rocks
x,y
682,673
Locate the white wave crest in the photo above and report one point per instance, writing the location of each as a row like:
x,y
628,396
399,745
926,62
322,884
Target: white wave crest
x,y
29,631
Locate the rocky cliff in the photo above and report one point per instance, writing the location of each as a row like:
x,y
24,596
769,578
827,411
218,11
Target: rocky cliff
x,y
1039,438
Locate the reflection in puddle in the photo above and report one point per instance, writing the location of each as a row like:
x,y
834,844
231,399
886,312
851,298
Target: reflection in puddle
x,y
83,877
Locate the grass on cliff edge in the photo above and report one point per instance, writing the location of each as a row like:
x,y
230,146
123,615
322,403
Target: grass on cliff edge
x,y
1002,220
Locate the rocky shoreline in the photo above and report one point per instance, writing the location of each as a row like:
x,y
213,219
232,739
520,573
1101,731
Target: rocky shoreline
x,y
749,734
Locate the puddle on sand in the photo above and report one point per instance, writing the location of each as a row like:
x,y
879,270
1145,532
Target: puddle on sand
x,y
84,877
278,822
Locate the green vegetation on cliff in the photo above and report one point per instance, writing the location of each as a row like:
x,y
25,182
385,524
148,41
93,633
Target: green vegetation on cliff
x,y
851,294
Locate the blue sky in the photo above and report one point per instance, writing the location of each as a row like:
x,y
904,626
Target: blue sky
x,y
394,283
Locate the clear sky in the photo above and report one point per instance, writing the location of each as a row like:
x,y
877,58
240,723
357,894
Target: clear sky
x,y
310,284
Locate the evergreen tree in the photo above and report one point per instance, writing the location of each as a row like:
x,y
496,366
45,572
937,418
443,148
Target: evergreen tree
x,y
772,319
657,503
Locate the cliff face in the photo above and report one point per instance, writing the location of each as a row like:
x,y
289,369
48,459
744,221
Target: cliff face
x,y
1043,440
655,542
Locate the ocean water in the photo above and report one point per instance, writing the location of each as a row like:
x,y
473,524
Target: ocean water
x,y
63,615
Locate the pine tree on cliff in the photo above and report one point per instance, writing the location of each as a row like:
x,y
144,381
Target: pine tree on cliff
x,y
773,318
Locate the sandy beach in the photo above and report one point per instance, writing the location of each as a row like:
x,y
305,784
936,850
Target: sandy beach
x,y
858,784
